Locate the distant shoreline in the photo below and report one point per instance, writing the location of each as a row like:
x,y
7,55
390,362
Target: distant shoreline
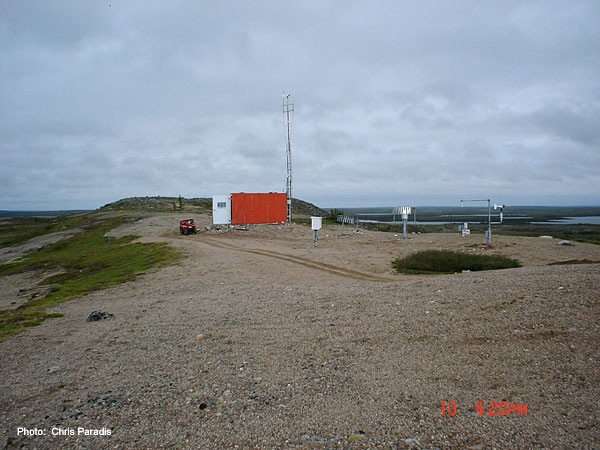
x,y
65,212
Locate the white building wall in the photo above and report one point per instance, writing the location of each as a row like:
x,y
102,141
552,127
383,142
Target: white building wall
x,y
221,209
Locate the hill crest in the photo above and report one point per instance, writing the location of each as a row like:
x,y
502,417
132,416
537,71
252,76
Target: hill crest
x,y
170,204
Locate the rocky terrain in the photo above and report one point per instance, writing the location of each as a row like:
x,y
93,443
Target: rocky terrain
x,y
166,204
306,208
158,204
257,340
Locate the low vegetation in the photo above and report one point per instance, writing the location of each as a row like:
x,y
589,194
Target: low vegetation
x,y
445,261
589,234
333,214
86,262
20,229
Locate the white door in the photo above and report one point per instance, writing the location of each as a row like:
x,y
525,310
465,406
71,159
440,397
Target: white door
x,y
221,209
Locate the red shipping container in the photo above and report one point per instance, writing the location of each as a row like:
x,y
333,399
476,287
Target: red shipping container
x,y
258,208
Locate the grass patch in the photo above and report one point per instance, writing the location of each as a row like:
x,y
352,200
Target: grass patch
x,y
89,261
302,220
17,230
445,261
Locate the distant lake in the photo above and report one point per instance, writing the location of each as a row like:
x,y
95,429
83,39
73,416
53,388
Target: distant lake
x,y
410,222
465,218
584,220
494,216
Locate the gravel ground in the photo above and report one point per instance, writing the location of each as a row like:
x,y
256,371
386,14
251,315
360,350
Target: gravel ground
x,y
256,340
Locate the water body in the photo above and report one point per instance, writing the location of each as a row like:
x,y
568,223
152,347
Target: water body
x,y
442,222
494,216
583,220
410,222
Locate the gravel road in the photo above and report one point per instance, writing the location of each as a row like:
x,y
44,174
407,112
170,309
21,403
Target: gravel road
x,y
256,340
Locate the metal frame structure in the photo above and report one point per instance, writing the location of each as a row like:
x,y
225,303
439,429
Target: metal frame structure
x,y
489,230
349,220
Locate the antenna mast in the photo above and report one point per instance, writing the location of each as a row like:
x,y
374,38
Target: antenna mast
x,y
287,109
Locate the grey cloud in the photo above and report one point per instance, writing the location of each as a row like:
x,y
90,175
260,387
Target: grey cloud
x,y
392,99
577,126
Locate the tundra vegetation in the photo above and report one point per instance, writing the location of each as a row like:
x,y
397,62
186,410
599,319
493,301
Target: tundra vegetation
x,y
446,261
86,262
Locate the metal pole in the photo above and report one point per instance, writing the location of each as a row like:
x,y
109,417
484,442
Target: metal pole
x,y
287,108
489,230
489,237
316,239
289,166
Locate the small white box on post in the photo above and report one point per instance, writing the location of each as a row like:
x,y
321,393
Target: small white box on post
x,y
317,223
465,229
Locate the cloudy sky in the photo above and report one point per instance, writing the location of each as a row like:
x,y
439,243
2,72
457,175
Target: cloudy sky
x,y
396,102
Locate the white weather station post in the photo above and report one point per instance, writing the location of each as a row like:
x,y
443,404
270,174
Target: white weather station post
x,y
404,211
317,223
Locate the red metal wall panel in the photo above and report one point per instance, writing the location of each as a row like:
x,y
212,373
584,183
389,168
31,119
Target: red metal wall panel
x,y
258,208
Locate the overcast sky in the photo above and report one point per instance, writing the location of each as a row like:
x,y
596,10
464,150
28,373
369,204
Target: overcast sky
x,y
396,102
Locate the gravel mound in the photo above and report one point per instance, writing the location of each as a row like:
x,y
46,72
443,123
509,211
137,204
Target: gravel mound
x,y
156,203
169,204
302,207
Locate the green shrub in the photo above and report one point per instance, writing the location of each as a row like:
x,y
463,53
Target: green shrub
x,y
334,213
445,261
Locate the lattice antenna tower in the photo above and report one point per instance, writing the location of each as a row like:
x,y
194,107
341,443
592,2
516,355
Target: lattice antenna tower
x,y
287,109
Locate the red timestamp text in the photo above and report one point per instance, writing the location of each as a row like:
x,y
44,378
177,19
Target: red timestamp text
x,y
491,409
500,408
449,408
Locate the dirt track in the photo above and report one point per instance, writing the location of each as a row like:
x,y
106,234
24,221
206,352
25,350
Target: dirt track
x,y
258,340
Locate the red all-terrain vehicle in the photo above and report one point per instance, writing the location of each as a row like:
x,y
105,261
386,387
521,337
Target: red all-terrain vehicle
x,y
187,226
